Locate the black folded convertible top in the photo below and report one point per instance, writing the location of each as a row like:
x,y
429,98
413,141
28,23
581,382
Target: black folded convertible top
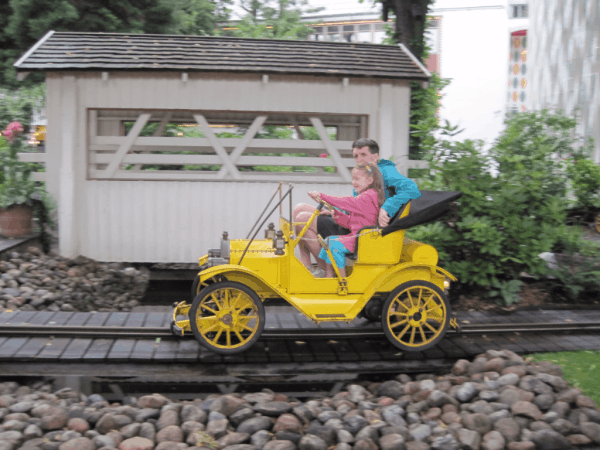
x,y
428,207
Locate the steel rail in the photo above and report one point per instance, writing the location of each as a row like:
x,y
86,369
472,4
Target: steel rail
x,y
293,333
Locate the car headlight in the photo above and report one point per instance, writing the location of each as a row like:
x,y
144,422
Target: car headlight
x,y
225,250
446,283
279,243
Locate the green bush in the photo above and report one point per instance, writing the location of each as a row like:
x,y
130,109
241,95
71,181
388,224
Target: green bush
x,y
513,206
585,179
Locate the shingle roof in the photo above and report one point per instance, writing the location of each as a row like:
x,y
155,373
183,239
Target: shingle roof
x,y
60,51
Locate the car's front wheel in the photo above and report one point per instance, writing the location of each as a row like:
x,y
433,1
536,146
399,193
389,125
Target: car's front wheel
x,y
227,317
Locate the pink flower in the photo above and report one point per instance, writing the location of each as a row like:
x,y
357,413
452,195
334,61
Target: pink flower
x,y
12,130
323,155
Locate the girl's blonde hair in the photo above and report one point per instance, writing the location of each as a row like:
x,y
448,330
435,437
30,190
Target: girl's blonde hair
x,y
371,170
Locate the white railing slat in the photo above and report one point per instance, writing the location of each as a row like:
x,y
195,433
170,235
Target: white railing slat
x,y
32,157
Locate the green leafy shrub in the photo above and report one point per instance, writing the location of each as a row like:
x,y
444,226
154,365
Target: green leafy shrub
x,y
585,183
577,277
513,206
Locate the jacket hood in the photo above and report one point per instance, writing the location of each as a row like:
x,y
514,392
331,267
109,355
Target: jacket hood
x,y
385,163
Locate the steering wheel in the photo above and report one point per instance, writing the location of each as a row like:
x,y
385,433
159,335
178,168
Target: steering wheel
x,y
323,203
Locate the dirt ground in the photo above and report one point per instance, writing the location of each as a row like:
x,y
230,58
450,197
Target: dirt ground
x,y
532,296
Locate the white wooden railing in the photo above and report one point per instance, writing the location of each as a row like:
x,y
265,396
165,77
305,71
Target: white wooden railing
x,y
34,158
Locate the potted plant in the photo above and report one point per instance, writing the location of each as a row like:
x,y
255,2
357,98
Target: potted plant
x,y
21,198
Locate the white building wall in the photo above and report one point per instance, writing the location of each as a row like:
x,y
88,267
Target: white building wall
x,y
177,221
565,61
474,55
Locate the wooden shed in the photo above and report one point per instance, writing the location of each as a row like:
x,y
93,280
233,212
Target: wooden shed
x,y
103,89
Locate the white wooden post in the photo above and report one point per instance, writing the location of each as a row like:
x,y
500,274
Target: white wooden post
x,y
67,231
337,159
386,130
401,129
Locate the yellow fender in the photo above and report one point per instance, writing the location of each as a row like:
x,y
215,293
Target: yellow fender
x,y
245,276
389,274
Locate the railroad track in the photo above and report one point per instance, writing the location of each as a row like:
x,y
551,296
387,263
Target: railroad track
x,y
370,331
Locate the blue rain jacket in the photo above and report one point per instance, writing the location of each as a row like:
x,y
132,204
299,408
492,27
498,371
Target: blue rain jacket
x,y
398,189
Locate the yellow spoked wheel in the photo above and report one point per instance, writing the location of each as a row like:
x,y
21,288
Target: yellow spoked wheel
x,y
416,315
597,222
227,317
197,286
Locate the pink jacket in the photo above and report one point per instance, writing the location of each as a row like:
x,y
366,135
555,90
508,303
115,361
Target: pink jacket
x,y
363,209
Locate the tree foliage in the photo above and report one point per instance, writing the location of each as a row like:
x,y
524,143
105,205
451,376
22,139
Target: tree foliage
x,y
411,22
24,22
267,19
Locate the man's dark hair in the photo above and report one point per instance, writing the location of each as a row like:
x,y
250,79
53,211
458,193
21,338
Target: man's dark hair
x,y
373,146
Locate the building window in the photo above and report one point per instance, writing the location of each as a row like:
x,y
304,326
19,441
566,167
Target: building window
x,y
517,84
318,34
349,34
364,33
379,34
519,11
333,34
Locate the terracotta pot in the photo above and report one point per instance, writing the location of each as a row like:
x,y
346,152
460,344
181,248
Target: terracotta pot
x,y
15,221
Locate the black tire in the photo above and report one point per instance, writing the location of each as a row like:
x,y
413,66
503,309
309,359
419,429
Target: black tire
x,y
372,310
430,316
212,306
195,288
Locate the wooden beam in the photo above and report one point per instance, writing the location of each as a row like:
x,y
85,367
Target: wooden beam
x,y
38,176
32,157
68,232
114,142
218,148
159,131
297,127
331,149
126,145
189,175
22,75
254,128
386,123
141,159
235,155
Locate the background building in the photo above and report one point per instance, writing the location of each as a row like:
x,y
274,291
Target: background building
x,y
565,61
471,42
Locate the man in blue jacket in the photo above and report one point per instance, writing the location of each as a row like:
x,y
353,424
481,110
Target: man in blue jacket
x,y
398,191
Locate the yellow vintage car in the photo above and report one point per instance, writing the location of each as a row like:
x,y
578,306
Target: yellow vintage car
x,y
388,278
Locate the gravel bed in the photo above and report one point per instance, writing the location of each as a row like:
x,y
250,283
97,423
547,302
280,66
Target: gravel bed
x,y
498,401
33,281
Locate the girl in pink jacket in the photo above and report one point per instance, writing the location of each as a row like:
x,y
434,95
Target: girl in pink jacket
x,y
363,211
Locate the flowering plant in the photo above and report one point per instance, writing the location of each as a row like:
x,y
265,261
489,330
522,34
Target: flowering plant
x,y
16,185
13,130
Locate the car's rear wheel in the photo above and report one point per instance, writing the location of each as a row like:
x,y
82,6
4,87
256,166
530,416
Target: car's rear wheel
x,y
227,317
416,315
372,310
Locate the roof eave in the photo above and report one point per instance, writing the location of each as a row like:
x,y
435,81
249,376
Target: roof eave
x,y
420,79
